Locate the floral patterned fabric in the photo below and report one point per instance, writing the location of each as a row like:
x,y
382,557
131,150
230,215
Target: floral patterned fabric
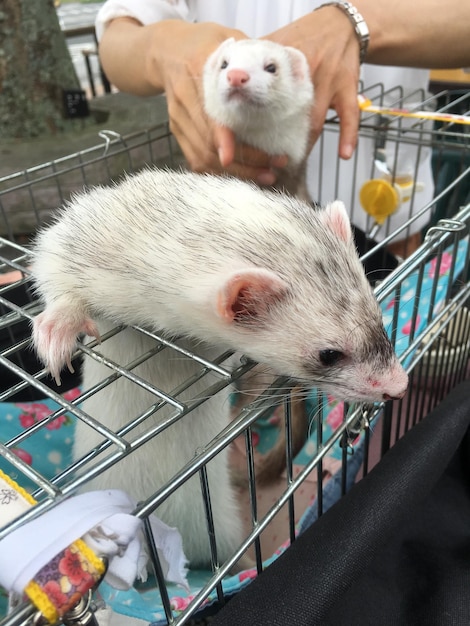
x,y
49,449
429,303
60,584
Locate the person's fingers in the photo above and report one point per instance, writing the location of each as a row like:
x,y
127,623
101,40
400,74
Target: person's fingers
x,y
249,155
199,153
318,115
189,124
203,157
245,162
344,101
224,141
230,151
348,112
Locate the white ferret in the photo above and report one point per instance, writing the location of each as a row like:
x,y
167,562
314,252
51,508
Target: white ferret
x,y
263,92
222,264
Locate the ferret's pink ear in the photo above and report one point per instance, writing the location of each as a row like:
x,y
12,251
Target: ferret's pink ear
x,y
225,44
214,58
336,218
247,295
298,63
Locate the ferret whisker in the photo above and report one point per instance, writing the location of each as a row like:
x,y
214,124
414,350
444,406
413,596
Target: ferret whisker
x,y
297,391
376,270
256,393
312,416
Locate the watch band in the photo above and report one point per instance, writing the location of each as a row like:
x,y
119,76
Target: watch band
x,y
358,22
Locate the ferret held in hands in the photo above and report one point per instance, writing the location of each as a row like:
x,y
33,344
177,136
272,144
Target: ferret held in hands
x,y
223,265
263,92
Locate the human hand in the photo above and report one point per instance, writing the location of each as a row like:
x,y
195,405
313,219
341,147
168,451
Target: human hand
x,y
206,145
329,42
245,161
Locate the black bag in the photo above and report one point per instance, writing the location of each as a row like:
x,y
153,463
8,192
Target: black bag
x,y
394,551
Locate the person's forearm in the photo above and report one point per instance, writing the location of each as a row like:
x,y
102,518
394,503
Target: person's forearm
x,y
417,33
130,58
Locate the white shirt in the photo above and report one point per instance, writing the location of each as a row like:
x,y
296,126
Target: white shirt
x,y
328,178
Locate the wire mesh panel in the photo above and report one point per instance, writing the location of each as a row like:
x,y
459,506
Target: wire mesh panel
x,y
411,150
29,197
317,445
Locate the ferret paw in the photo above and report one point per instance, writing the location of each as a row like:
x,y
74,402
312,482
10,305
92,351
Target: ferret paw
x,y
55,333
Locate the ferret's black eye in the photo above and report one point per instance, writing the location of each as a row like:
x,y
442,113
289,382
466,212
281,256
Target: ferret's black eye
x,y
328,358
224,64
271,68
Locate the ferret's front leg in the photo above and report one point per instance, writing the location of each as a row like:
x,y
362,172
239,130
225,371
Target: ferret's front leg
x,y
55,333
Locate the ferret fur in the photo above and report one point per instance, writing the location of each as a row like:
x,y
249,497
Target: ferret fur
x,y
222,264
263,92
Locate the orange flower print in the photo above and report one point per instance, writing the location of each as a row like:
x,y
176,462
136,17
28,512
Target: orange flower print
x,y
58,599
71,566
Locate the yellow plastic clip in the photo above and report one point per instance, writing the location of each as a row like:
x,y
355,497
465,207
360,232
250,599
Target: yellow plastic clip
x,y
380,198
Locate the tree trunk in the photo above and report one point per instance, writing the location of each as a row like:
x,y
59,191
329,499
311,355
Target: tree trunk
x,y
35,69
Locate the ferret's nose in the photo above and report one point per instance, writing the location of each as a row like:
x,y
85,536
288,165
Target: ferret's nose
x,y
397,391
397,384
397,396
237,78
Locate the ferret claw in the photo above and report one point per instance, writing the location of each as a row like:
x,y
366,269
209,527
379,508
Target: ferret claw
x,y
55,333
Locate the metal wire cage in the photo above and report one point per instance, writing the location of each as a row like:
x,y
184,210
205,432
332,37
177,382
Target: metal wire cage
x,y
424,299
